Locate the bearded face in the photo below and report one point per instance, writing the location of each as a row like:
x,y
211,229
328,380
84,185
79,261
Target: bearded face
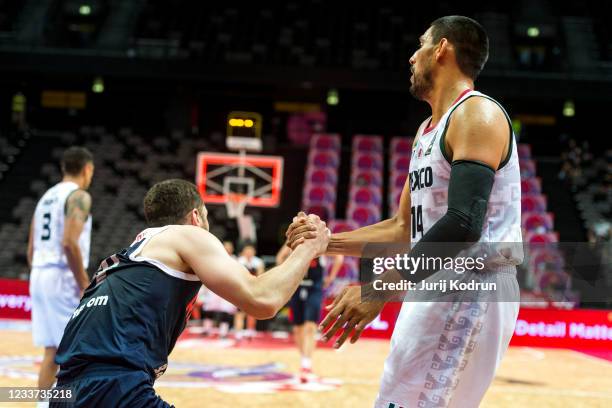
x,y
421,82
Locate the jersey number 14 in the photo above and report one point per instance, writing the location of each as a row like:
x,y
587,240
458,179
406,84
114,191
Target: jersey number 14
x,y
416,214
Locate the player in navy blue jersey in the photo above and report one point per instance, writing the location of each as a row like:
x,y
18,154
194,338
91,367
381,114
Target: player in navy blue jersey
x,y
306,306
118,339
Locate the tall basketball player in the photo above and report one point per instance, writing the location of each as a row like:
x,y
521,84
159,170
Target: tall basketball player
x,y
464,186
117,341
58,253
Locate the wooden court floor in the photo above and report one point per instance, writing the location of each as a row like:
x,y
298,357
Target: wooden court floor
x,y
539,378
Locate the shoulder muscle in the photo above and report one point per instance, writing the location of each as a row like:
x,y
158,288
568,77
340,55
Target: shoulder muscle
x,y
478,131
78,205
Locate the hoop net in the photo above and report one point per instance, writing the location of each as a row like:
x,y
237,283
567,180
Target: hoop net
x,y
236,204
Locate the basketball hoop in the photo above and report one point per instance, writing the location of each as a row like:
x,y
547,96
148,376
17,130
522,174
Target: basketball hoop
x,y
236,204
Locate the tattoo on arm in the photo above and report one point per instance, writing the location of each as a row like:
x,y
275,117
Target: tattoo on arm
x,y
78,205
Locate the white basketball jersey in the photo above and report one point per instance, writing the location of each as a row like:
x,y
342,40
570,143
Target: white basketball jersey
x,y
429,179
49,229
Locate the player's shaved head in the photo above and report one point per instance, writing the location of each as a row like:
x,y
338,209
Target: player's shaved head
x,y
74,160
469,39
169,201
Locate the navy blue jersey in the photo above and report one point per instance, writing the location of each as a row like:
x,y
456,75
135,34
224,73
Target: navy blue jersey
x,y
314,276
130,315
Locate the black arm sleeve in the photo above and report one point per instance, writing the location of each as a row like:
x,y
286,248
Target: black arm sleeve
x,y
469,189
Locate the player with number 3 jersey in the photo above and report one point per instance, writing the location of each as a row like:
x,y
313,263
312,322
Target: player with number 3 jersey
x,y
58,254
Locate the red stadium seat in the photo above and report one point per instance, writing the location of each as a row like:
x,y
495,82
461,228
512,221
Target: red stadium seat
x,y
531,186
366,161
535,203
400,164
546,256
342,225
524,151
548,237
398,180
538,222
401,146
528,168
364,143
364,214
366,178
324,159
365,195
325,142
323,176
318,194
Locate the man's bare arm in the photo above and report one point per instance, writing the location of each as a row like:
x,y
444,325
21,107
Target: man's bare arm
x,y
78,207
260,296
31,243
338,260
336,266
283,253
478,131
352,243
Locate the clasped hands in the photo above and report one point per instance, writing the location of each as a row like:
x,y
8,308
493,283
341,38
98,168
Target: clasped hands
x,y
350,313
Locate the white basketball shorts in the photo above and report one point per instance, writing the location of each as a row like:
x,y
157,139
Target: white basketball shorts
x,y
55,296
445,354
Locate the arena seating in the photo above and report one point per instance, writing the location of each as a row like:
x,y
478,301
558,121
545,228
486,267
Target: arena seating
x,y
544,258
321,177
11,146
8,14
400,150
365,199
594,197
370,36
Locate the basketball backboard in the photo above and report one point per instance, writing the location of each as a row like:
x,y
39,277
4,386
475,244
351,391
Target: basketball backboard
x,y
257,178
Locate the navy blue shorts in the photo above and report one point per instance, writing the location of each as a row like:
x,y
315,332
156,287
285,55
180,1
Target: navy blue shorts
x,y
306,305
123,389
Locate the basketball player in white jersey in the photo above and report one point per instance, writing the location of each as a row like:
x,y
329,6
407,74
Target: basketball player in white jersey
x,y
464,187
58,253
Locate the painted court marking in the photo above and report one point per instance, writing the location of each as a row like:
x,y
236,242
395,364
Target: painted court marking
x,y
259,379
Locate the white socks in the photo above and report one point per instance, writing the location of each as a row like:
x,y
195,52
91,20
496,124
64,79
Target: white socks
x,y
223,329
306,363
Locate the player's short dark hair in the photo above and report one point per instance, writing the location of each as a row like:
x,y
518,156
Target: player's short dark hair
x,y
169,201
74,159
469,38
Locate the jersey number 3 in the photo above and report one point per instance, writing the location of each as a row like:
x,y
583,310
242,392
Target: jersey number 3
x,y
46,233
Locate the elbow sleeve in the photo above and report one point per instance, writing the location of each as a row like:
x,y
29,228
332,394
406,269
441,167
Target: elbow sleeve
x,y
469,190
